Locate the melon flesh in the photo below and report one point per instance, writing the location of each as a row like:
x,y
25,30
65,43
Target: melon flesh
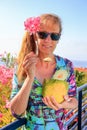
x,y
61,74
56,88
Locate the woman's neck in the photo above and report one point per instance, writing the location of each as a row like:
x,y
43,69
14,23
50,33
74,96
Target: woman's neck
x,y
48,63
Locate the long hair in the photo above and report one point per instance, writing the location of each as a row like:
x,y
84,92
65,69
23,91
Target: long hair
x,y
28,45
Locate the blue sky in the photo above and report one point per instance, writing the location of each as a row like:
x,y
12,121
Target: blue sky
x,y
73,42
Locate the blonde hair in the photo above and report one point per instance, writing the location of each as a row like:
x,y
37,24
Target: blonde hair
x,y
53,18
28,43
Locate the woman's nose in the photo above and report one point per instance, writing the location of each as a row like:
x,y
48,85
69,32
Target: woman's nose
x,y
48,38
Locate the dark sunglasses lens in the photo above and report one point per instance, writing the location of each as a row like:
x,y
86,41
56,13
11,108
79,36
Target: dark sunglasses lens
x,y
42,35
55,36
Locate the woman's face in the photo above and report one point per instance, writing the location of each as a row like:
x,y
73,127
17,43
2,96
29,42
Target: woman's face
x,y
47,45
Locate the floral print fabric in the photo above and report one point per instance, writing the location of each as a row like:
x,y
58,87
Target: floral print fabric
x,y
39,116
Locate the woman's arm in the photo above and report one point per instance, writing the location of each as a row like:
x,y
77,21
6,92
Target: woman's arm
x,y
20,101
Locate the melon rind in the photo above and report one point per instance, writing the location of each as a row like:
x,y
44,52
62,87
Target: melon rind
x,y
56,88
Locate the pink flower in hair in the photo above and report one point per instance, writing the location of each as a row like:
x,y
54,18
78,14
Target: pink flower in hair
x,y
32,24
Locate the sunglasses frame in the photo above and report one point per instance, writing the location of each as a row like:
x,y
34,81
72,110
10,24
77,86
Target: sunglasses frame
x,y
53,36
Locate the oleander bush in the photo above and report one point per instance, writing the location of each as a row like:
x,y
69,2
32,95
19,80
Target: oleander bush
x,y
5,114
6,72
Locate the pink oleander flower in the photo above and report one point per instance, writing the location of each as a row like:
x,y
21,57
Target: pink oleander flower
x,y
7,104
1,115
5,74
32,24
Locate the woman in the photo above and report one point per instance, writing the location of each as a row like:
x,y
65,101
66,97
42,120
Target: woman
x,y
36,62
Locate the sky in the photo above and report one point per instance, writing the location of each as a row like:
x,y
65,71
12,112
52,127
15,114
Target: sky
x,y
73,13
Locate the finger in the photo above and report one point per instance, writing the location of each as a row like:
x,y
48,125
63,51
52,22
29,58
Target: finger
x,y
54,101
67,98
45,102
30,58
49,103
57,105
29,61
31,54
29,66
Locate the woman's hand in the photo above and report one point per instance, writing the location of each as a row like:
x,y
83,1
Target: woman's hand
x,y
69,103
52,103
29,64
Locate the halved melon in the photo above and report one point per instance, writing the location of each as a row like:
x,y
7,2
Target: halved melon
x,y
56,88
61,74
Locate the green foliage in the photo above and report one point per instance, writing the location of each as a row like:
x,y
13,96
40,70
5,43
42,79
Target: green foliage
x,y
5,88
79,78
8,59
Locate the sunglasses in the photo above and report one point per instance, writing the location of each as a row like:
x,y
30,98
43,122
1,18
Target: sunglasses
x,y
44,35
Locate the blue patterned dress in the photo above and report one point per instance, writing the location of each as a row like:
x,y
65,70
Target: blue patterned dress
x,y
39,116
